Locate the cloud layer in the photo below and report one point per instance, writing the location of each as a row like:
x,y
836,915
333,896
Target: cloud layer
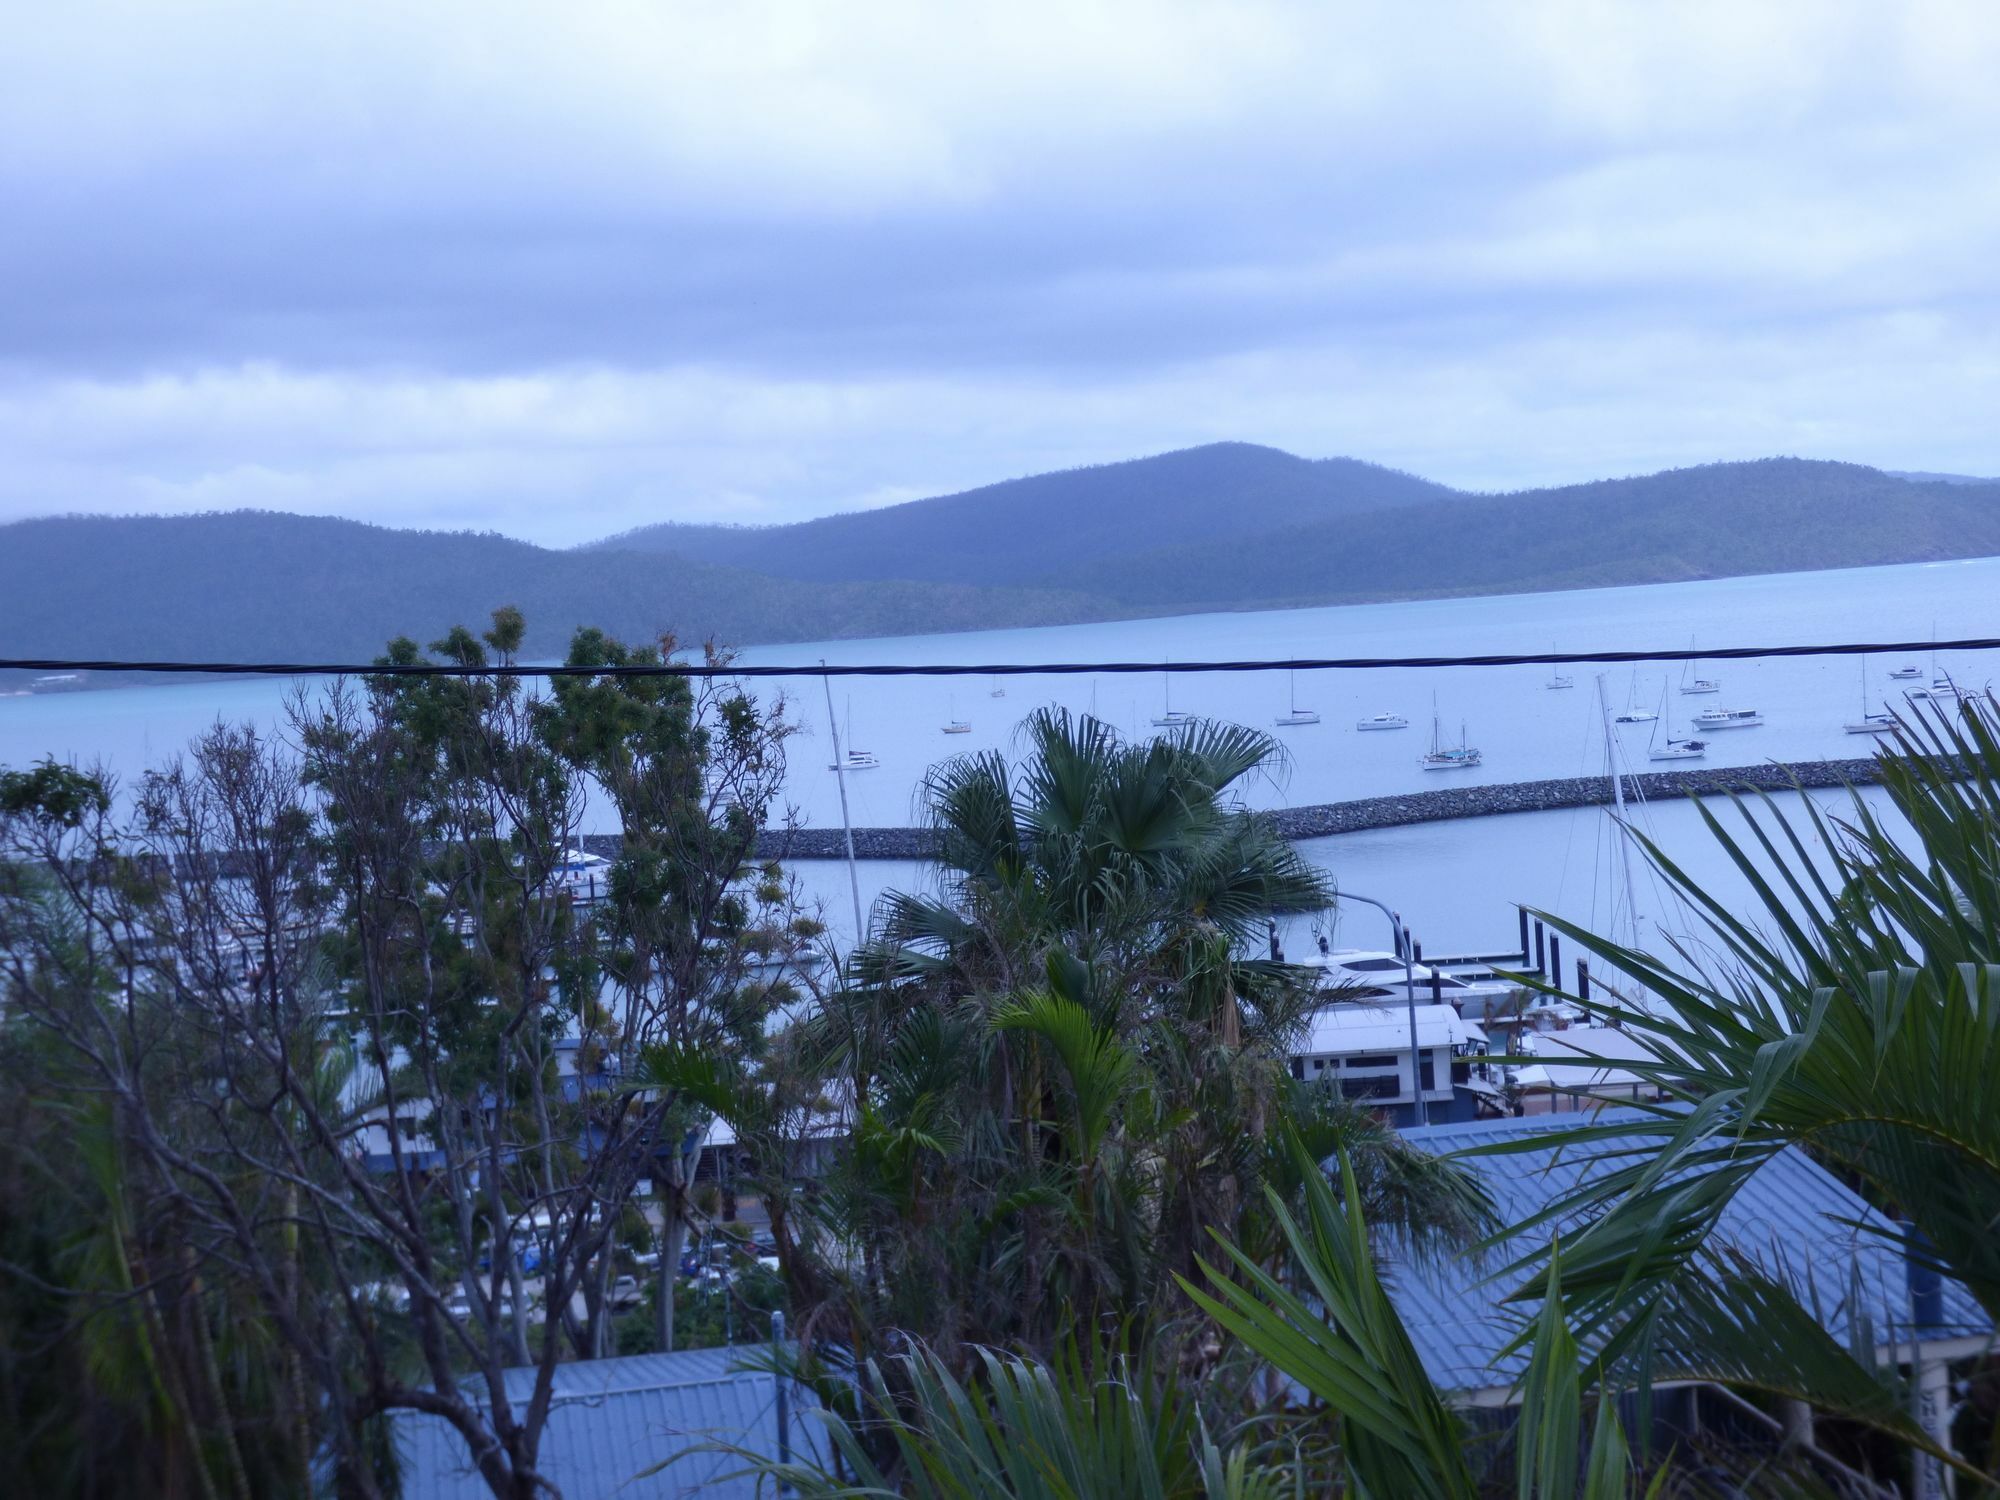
x,y
563,270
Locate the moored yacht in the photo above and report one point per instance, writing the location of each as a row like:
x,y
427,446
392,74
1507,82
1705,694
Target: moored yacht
x,y
857,760
1907,673
1383,721
1295,716
1728,718
1443,757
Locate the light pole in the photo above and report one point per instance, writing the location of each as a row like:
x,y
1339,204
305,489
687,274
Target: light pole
x,y
1401,941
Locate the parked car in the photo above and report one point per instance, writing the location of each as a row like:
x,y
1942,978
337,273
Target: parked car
x,y
625,1292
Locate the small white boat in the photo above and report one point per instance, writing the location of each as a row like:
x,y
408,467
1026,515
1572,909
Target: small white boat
x,y
1944,690
1443,757
1869,723
1635,716
1672,749
1383,721
1908,673
957,726
1557,680
1728,718
1171,717
1295,715
1679,750
997,693
582,875
1693,684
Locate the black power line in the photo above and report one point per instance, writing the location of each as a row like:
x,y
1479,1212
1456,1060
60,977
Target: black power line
x,y
990,669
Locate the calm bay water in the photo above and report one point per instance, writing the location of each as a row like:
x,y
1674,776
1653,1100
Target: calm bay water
x,y
1456,883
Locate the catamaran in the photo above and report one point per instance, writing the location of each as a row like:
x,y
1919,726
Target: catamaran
x,y
854,760
1633,713
1296,715
1443,757
1383,721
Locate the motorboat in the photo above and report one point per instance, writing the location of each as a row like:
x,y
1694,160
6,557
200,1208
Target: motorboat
x,y
1371,974
1907,673
582,875
1383,721
1728,718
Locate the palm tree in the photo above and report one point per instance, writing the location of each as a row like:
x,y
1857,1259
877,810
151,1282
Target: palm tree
x,y
1855,1013
1064,1060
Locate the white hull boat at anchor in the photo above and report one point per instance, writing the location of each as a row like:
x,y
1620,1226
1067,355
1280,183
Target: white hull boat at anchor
x,y
1295,717
856,760
1672,749
1443,757
1728,718
1383,721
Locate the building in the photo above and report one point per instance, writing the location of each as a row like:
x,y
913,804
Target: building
x,y
1364,1051
1794,1219
611,1420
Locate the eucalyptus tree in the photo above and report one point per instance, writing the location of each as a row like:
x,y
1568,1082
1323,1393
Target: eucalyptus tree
x,y
360,962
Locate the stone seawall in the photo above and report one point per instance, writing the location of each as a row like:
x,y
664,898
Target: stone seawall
x,y
1432,805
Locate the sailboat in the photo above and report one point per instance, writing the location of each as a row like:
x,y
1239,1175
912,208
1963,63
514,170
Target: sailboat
x,y
1296,715
855,760
1557,679
956,725
1869,723
1691,684
1443,757
1171,717
1673,749
998,691
1633,713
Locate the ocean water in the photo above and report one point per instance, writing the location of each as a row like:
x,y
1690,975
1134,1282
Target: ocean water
x,y
1457,883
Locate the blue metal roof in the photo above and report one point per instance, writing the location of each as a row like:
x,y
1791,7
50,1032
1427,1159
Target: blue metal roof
x,y
1793,1217
611,1419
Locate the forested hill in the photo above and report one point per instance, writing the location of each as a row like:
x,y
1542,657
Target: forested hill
x,y
1024,529
255,585
1772,516
1225,527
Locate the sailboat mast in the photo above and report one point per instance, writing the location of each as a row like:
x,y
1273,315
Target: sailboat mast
x,y
1618,800
846,823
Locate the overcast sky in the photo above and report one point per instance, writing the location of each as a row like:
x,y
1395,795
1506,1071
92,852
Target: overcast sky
x,y
562,269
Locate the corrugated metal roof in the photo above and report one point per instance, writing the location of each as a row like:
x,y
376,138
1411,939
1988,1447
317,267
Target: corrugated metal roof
x,y
1793,1217
611,1419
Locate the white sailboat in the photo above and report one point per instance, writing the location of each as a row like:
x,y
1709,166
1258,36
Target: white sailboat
x,y
1296,715
1557,680
855,760
1869,723
1443,757
1691,682
1672,749
1634,714
1171,717
956,725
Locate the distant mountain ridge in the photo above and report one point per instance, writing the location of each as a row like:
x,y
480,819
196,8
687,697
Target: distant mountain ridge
x,y
1016,531
1229,526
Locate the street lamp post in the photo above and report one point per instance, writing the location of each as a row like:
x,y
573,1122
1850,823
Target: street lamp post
x,y
1402,950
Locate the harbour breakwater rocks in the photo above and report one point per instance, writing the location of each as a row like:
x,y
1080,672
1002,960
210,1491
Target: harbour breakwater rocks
x,y
1432,805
